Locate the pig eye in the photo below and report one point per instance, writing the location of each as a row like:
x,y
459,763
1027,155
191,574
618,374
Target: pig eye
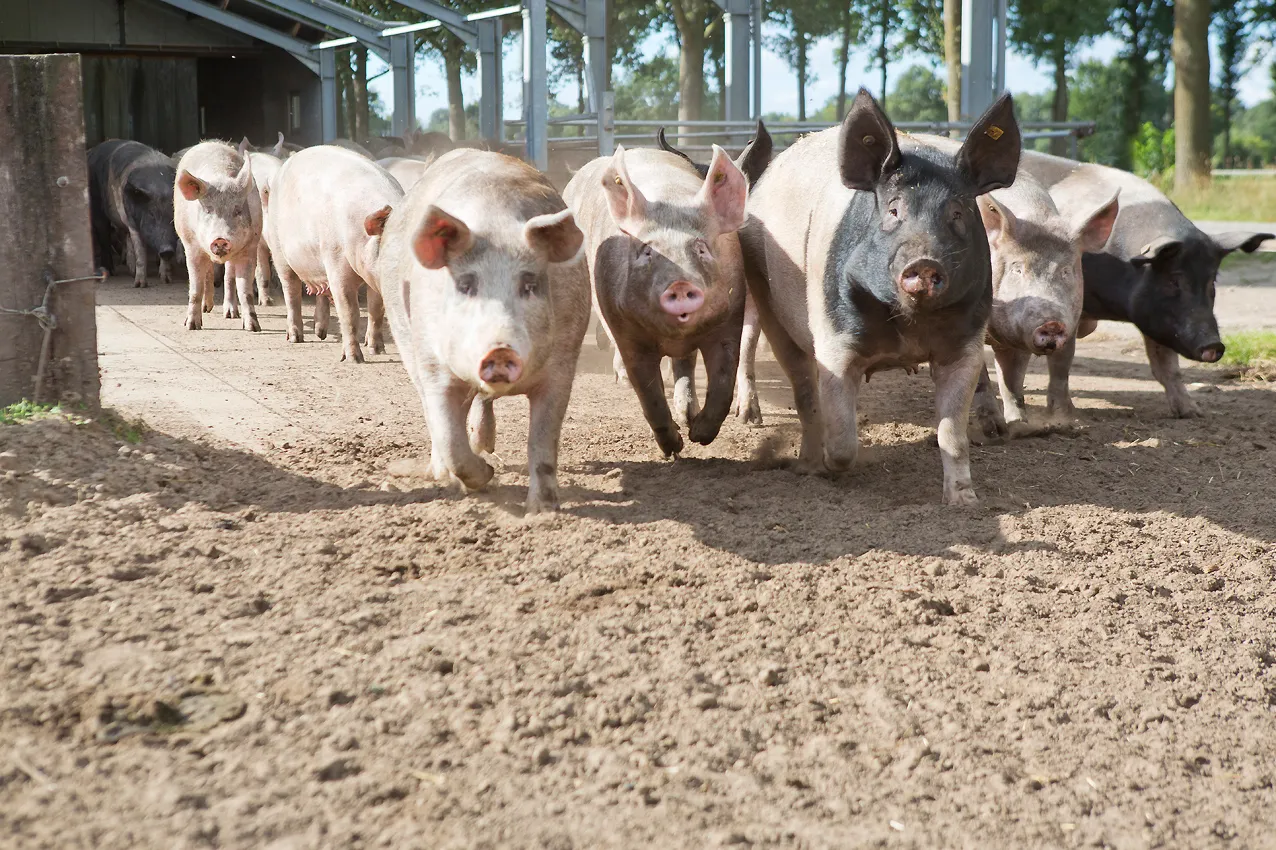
x,y
1017,268
644,255
529,284
893,209
467,284
702,251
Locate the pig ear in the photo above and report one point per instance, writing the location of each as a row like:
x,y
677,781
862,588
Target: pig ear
x,y
278,150
440,239
628,206
244,145
756,155
245,178
1240,240
724,193
374,224
867,146
556,234
989,158
191,187
999,222
1095,229
1161,248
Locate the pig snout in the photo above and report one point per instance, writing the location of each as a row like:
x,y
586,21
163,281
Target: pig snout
x,y
1050,336
682,299
167,252
219,247
923,279
501,365
1211,353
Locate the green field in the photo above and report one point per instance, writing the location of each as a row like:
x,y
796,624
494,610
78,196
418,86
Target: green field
x,y
1230,199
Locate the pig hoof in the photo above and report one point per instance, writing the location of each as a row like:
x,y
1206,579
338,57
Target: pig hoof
x,y
1185,408
139,284
355,356
323,334
266,301
296,336
379,348
477,478
703,431
670,444
544,504
254,325
194,323
960,494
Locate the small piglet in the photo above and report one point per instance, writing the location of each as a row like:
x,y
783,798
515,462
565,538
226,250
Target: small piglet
x,y
487,297
217,212
324,214
667,277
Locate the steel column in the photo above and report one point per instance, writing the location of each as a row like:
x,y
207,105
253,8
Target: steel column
x,y
491,113
328,94
983,55
535,83
403,68
756,18
737,22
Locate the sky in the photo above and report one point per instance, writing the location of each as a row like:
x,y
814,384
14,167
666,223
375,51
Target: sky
x,y
779,92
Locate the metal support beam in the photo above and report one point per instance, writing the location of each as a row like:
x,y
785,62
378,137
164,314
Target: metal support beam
x,y
535,83
755,25
403,69
299,49
491,107
310,13
983,55
736,20
597,64
453,20
328,94
571,11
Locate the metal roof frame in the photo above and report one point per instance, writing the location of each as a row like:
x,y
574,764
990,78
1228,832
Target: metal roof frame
x,y
332,16
296,47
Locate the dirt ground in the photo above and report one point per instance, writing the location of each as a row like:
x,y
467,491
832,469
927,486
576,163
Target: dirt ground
x,y
258,628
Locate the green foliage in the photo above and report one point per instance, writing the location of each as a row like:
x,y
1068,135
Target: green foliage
x,y
648,91
128,430
1153,151
1247,348
1096,96
918,96
25,411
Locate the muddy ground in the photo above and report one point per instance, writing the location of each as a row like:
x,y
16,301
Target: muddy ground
x,y
248,631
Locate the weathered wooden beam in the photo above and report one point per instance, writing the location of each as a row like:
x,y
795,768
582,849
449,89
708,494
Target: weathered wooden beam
x,y
44,202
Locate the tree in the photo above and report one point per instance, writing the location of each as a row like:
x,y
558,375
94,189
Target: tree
x,y
802,22
850,25
691,18
1146,27
1097,95
1050,31
952,56
918,96
1236,24
885,18
648,91
1191,93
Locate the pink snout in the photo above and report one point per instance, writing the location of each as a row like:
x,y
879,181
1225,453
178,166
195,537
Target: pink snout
x,y
220,247
501,365
1050,336
682,299
923,279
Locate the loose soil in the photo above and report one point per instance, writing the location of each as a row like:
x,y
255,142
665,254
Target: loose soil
x,y
261,627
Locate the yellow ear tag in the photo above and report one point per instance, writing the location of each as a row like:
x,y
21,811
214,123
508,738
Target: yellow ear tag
x,y
994,132
719,178
618,182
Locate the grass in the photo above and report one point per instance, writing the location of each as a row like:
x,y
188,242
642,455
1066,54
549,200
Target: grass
x,y
1239,259
1230,199
1247,348
129,430
24,411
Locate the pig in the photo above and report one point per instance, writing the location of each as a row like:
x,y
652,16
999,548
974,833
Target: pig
x,y
131,189
431,144
1157,271
753,160
265,167
487,297
325,210
1037,289
664,261
866,251
406,169
217,211
352,146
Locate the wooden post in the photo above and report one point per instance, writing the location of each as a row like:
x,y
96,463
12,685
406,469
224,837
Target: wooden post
x,y
44,204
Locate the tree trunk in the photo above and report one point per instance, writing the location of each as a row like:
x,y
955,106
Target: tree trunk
x,y
346,113
952,56
1059,106
455,98
1191,93
1136,82
843,59
360,88
690,24
884,26
581,100
801,75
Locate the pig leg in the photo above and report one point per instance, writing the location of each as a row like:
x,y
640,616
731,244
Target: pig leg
x,y
482,425
263,275
721,359
986,409
954,389
1012,366
548,406
839,394
230,295
293,289
600,337
1058,399
242,271
137,251
323,308
450,453
200,271
375,336
210,291
800,368
746,388
166,270
685,403
644,375
1165,368
343,286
